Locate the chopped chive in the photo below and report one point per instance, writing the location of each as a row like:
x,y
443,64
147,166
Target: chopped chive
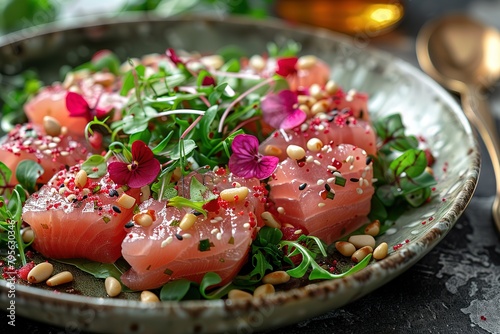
x,y
204,245
175,222
168,272
340,181
96,189
106,219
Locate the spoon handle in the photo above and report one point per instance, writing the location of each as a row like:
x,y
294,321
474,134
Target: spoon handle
x,y
477,110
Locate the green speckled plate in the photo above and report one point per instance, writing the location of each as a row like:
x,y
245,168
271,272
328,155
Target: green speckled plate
x,y
393,86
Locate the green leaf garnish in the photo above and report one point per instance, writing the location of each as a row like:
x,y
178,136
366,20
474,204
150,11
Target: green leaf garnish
x,y
27,173
95,166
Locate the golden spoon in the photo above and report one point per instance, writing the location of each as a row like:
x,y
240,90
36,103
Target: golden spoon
x,y
464,56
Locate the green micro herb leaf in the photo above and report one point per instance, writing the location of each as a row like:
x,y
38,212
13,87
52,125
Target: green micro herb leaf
x,y
5,175
309,263
27,172
95,166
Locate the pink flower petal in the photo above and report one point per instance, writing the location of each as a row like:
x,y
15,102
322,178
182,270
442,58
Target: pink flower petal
x,y
241,167
273,110
295,118
141,152
245,146
145,173
76,105
119,172
266,167
286,66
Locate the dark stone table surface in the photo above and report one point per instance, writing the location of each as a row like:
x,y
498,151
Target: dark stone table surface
x,y
453,289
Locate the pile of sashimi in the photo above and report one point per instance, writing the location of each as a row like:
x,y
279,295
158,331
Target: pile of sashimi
x,y
203,176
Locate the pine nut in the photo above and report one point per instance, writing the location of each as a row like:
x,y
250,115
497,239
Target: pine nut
x,y
81,178
61,278
373,228
276,277
305,108
345,248
144,218
314,145
381,251
269,220
113,287
295,152
264,290
104,79
272,150
28,234
125,201
361,253
52,126
318,108
257,63
212,61
362,240
306,62
316,91
149,297
306,100
234,194
187,221
145,193
331,87
236,294
40,272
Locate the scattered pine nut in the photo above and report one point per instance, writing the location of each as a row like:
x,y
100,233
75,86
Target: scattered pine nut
x,y
306,62
269,220
295,152
314,145
144,218
187,221
345,248
276,277
149,297
52,126
264,290
81,178
113,287
40,272
28,234
373,228
361,253
362,240
381,251
60,278
234,194
237,294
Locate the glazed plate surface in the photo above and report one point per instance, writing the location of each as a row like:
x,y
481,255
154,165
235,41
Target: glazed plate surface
x,y
393,86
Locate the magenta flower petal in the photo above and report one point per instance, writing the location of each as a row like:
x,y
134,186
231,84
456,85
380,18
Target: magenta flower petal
x,y
266,167
119,172
245,146
273,110
173,56
286,66
295,118
142,170
144,174
247,162
279,110
76,105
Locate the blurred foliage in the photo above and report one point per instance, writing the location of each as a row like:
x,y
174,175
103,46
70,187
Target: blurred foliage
x,y
20,14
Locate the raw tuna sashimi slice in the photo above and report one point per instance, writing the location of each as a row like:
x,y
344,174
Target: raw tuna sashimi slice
x,y
309,196
333,128
218,243
73,221
53,153
51,101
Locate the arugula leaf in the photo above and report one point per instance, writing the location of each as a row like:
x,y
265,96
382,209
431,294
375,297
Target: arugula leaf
x,y
181,202
176,290
100,270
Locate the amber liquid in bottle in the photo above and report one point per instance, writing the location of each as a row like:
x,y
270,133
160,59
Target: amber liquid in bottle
x,y
369,17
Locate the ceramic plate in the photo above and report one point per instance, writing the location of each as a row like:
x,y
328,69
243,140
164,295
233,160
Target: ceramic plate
x,y
393,86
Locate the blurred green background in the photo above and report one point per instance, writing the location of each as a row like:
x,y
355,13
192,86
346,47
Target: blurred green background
x,y
22,14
